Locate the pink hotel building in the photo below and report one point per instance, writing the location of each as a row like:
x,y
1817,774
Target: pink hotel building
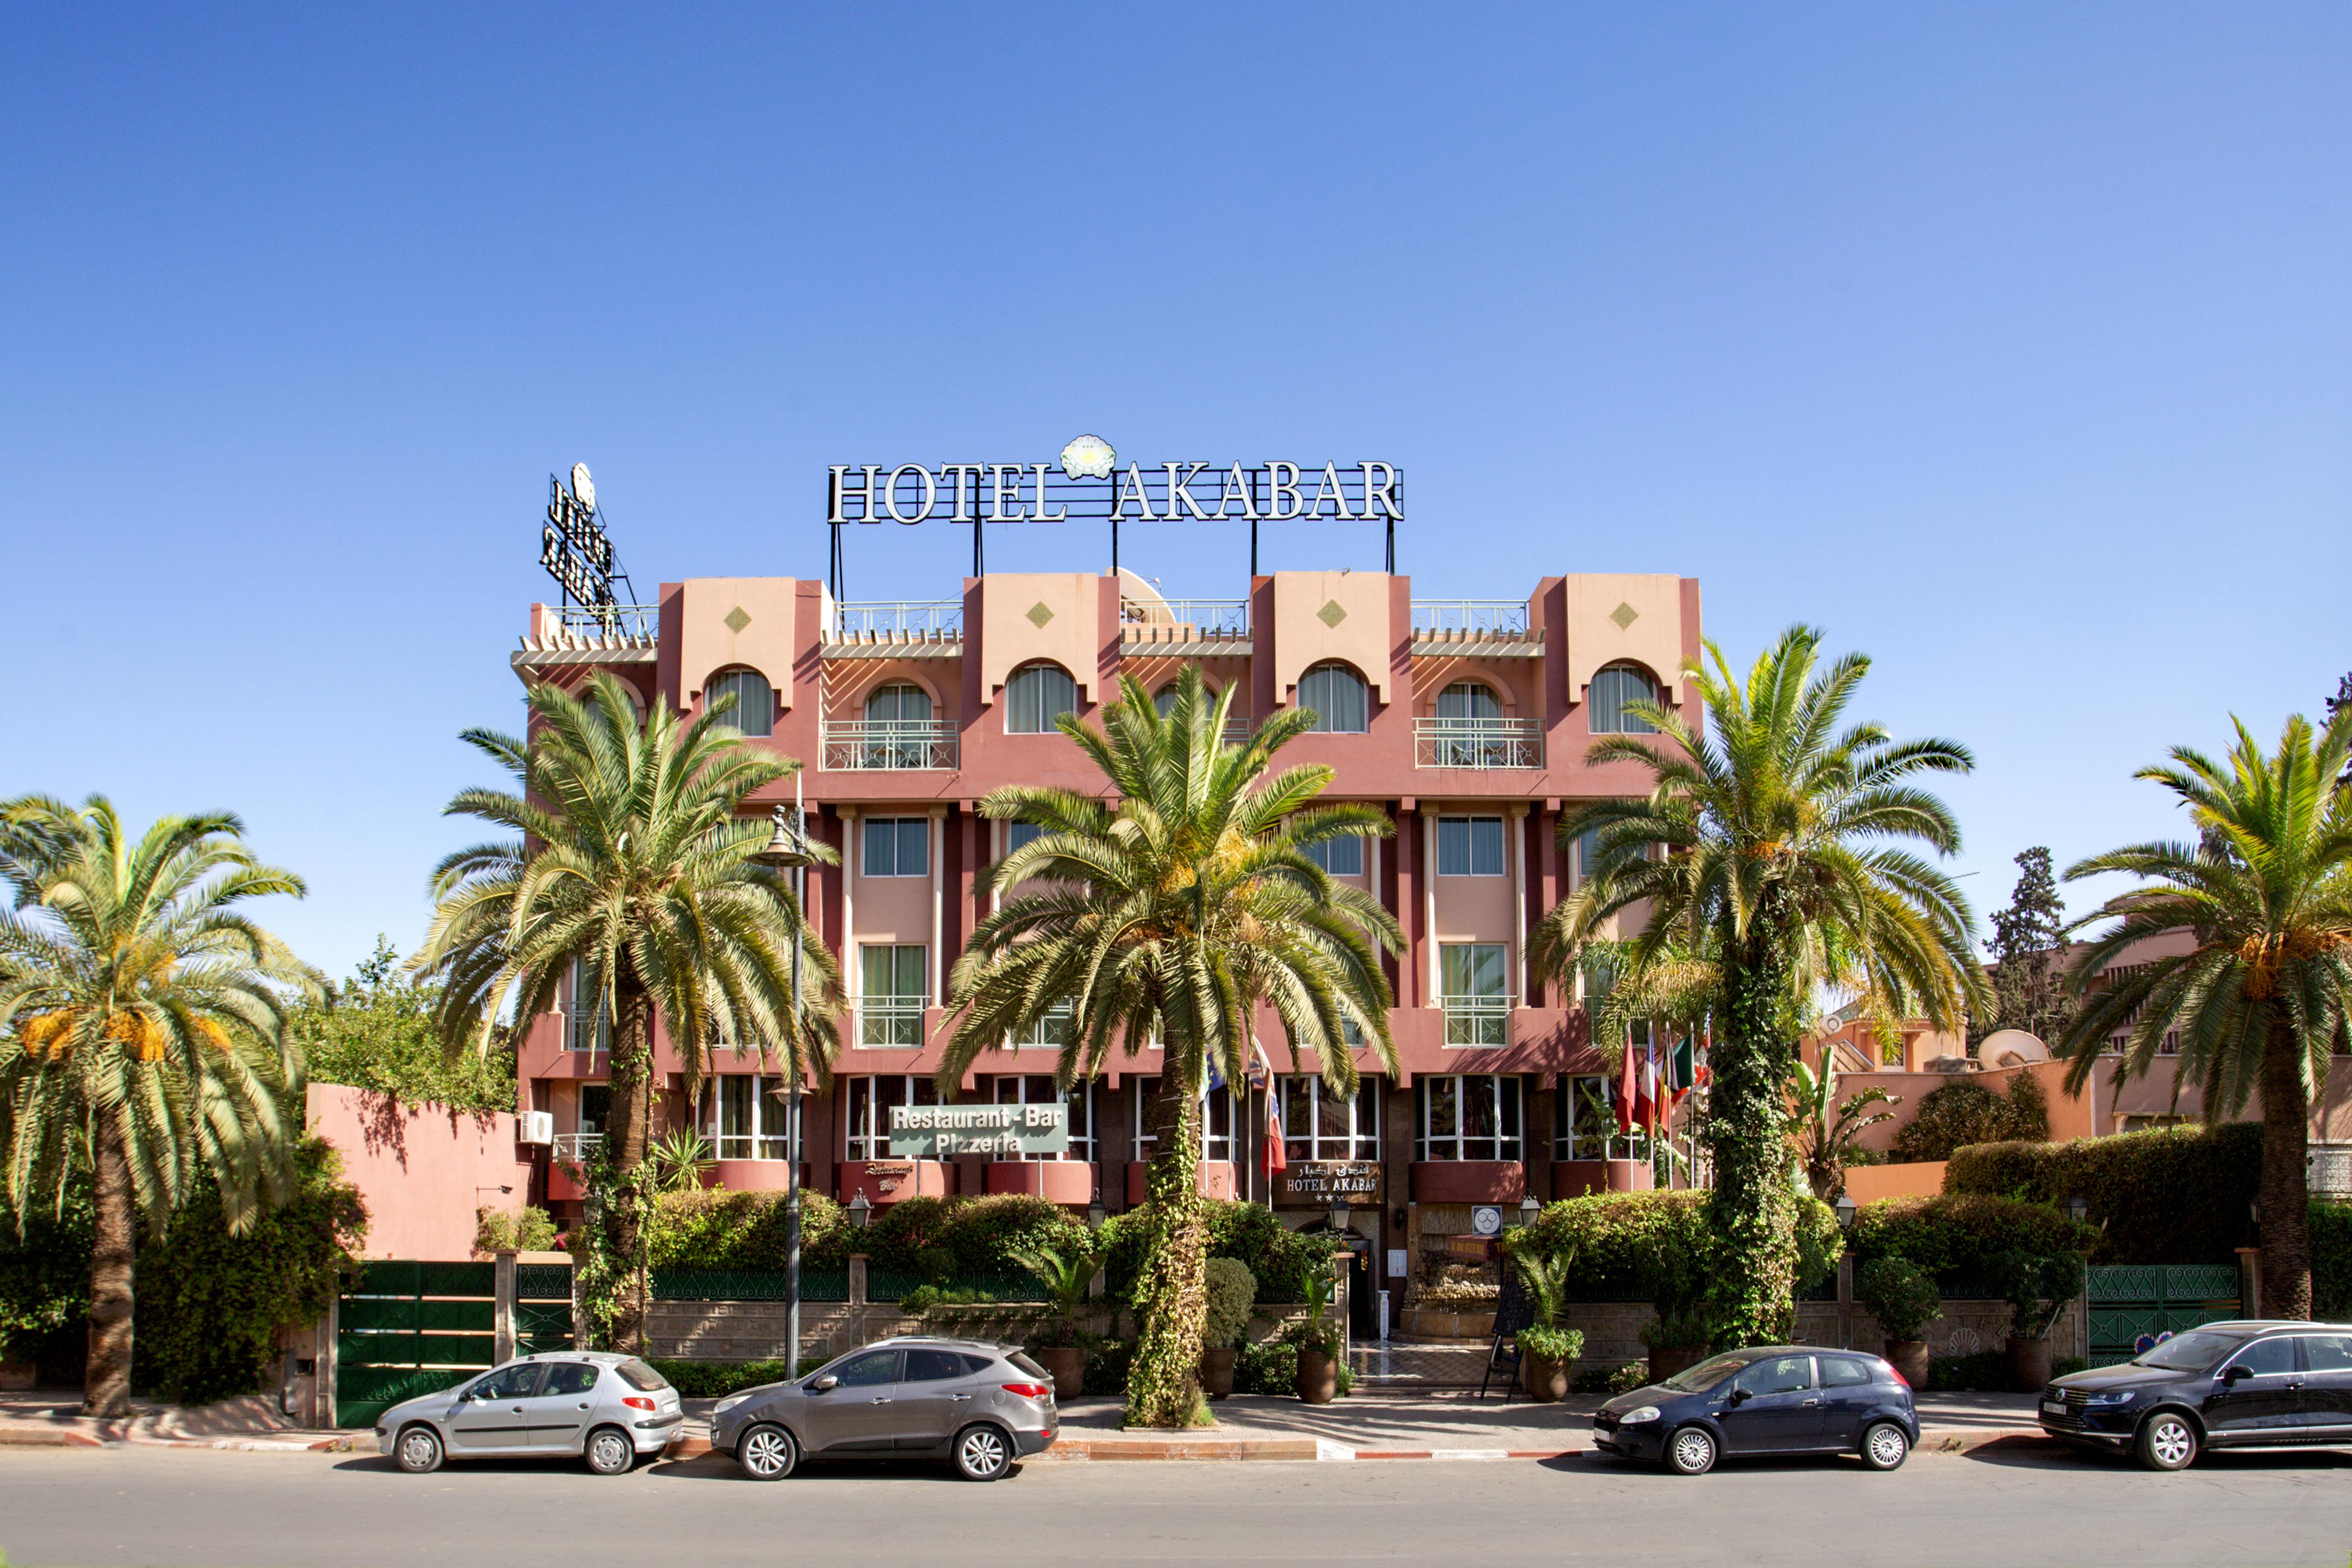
x,y
1466,722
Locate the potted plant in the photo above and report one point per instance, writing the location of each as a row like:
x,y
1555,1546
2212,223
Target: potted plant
x,y
2039,1285
1067,1273
1319,1340
1232,1293
1546,1349
1676,1340
1903,1298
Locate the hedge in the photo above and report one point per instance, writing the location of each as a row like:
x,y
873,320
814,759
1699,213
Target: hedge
x,y
1961,1234
2331,1260
1282,1258
940,1238
1658,1246
2171,1195
1963,1113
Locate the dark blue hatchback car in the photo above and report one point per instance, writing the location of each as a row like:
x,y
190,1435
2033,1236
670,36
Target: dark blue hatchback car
x,y
1768,1400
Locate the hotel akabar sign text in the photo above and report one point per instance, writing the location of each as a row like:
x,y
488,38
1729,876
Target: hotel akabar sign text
x,y
947,1132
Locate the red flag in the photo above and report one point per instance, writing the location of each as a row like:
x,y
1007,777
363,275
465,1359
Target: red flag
x,y
1626,1118
1271,1154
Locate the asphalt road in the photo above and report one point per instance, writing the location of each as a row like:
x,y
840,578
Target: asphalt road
x,y
251,1511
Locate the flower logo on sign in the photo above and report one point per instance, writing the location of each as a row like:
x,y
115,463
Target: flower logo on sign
x,y
1088,457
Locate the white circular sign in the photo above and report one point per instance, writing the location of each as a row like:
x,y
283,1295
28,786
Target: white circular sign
x,y
1486,1220
1088,457
584,488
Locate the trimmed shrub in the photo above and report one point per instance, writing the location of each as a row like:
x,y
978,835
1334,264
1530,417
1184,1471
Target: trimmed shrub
x,y
1964,1111
2171,1195
1232,1296
941,1237
1282,1259
714,1228
1659,1246
1949,1234
1899,1294
1268,1368
718,1379
2331,1260
525,1230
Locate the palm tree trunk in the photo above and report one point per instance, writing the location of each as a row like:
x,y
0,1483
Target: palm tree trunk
x,y
1163,1383
625,1136
2286,1196
106,1383
1753,1211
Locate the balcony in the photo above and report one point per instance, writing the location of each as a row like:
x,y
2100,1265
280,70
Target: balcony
x,y
897,629
896,746
1495,628
890,1023
1477,1020
1481,744
1185,628
575,1148
591,634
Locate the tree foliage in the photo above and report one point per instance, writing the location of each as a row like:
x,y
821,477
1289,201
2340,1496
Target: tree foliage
x,y
2030,986
1964,1111
376,1031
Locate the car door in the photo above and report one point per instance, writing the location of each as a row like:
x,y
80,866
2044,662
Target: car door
x,y
2324,1405
2256,1393
937,1391
1848,1394
556,1417
854,1414
1772,1404
492,1415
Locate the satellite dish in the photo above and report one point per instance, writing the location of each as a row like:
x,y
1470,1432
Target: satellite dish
x,y
584,488
2011,1047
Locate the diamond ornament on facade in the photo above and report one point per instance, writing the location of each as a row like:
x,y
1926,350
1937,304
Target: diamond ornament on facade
x,y
1331,614
1624,615
737,620
1039,615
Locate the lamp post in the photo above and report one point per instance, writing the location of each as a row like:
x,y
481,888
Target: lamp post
x,y
1846,1211
788,850
1528,1209
861,1209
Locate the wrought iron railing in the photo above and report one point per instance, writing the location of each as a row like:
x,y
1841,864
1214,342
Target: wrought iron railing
x,y
1469,618
1476,1021
1185,620
896,745
890,1021
899,621
1477,742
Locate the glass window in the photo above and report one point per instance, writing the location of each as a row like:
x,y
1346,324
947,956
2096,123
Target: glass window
x,y
587,1026
747,1122
595,1107
1019,833
1340,857
1469,846
1034,697
1842,1371
1467,1116
2192,1352
898,703
1778,1374
640,1376
1164,702
933,1366
1216,1121
2327,1353
1467,700
867,1103
1038,1089
1611,689
1706,1373
1338,697
755,702
1475,998
1317,1125
894,985
515,1380
1583,1126
868,1371
2267,1357
898,727
897,846
570,1377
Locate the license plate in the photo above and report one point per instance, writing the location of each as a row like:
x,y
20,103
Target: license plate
x,y
2053,1407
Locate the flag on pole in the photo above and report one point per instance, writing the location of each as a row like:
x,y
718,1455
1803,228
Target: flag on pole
x,y
1647,1102
1626,1074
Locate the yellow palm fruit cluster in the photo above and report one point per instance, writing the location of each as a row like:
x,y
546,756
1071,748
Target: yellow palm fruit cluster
x,y
139,1030
45,1033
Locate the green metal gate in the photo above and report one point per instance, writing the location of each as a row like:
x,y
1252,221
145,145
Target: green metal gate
x,y
412,1329
542,1307
2128,1300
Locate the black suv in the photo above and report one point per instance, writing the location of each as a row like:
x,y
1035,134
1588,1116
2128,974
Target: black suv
x,y
2252,1384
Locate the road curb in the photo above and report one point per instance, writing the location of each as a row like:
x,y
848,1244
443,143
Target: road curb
x,y
19,1437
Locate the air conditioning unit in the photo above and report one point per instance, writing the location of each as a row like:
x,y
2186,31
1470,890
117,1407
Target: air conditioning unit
x,y
536,1127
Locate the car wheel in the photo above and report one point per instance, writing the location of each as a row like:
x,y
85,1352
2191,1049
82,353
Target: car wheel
x,y
982,1452
1884,1446
609,1451
767,1453
1691,1451
2167,1441
418,1451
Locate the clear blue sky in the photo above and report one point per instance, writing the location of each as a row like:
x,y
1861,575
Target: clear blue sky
x,y
2007,343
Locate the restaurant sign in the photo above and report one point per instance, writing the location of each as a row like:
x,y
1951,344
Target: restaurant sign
x,y
1322,1182
1004,1132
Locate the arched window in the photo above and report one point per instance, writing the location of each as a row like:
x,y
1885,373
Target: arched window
x,y
1336,695
1165,703
901,702
755,700
1468,699
1035,696
1611,689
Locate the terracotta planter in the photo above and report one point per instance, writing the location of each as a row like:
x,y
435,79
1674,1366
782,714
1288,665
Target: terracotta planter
x,y
1666,1360
1545,1380
1909,1357
16,1376
1067,1365
1217,1371
2029,1364
1318,1377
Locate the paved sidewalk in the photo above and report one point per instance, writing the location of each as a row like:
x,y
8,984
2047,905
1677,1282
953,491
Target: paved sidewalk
x,y
52,1419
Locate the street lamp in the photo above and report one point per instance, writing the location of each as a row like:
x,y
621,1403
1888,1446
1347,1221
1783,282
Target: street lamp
x,y
1528,1209
1340,1215
861,1209
1846,1211
788,850
2077,1209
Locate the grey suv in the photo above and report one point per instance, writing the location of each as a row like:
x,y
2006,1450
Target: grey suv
x,y
980,1405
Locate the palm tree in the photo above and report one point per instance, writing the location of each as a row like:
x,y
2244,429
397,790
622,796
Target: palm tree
x,y
632,861
1829,1136
148,1045
2262,999
1167,917
1780,833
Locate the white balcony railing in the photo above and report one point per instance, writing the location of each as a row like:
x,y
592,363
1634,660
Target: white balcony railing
x,y
889,745
1185,620
899,621
890,1022
1477,742
571,1148
1469,619
1477,1020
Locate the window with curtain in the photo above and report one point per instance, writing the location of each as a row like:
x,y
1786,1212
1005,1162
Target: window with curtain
x,y
747,1117
1019,833
1038,1089
1610,690
865,1109
1338,698
1469,846
1466,1116
755,700
1468,700
898,703
1217,1121
892,986
897,726
1317,1125
897,846
1582,1124
1340,857
1472,977
1035,696
587,1026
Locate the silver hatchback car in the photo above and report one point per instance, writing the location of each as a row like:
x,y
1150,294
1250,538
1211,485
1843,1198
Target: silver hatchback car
x,y
980,1404
606,1409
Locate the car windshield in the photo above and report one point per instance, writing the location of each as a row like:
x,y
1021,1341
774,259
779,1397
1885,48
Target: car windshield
x,y
1705,1375
640,1376
2193,1352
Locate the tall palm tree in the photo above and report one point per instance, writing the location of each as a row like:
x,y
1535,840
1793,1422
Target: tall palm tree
x,y
632,860
142,1035
1167,917
2263,998
1780,833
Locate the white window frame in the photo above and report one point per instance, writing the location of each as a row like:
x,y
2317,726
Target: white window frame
x,y
898,1012
575,1015
1323,725
1468,836
897,826
1143,1141
866,1096
743,718
1451,1145
1308,1094
1477,1020
1017,1089
1036,667
763,1139
1326,853
1618,699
